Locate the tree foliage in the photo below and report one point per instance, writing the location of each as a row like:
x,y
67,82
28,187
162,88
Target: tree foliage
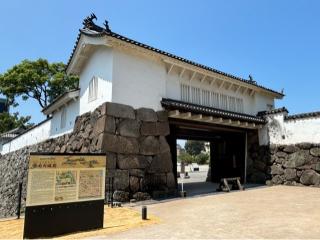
x,y
40,80
186,158
11,121
194,147
202,158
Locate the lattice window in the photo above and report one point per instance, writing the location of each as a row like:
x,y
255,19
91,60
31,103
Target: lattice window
x,y
206,97
63,118
93,89
223,101
215,100
239,105
195,95
185,93
231,103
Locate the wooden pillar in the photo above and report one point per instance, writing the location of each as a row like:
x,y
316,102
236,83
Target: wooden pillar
x,y
172,141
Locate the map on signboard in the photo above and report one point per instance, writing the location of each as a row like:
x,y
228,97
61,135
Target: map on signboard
x,y
65,178
90,184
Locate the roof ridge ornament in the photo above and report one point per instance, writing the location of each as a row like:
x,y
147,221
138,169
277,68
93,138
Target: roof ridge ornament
x,y
106,26
251,80
89,24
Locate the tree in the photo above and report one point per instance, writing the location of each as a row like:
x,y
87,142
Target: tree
x,y
9,122
40,80
186,158
202,158
194,147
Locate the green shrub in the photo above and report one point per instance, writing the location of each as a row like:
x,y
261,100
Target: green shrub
x,y
202,158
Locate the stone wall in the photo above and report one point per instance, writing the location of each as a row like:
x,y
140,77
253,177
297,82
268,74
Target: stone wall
x,y
296,165
138,155
258,159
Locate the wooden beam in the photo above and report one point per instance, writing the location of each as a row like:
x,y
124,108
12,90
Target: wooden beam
x,y
221,84
213,81
196,117
227,121
170,68
238,89
185,115
174,113
203,78
236,122
207,118
245,124
193,74
230,85
182,71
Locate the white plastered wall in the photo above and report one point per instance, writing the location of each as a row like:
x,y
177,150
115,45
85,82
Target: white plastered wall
x,y
282,131
137,80
100,66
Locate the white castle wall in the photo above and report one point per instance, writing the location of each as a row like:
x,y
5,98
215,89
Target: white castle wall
x,y
283,131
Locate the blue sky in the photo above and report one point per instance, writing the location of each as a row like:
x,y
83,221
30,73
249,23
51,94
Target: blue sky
x,y
278,42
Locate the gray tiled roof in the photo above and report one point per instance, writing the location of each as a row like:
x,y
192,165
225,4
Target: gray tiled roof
x,y
171,104
93,30
273,111
303,115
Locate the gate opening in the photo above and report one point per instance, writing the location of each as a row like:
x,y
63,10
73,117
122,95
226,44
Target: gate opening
x,y
226,149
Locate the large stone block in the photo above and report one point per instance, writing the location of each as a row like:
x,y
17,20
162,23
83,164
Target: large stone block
x,y
156,181
149,129
163,128
121,196
137,173
304,145
146,115
315,152
161,163
291,149
108,142
134,184
281,154
132,162
141,196
121,180
276,170
111,161
297,159
162,115
119,144
129,128
120,110
310,177
149,145
171,181
277,179
290,174
128,145
164,146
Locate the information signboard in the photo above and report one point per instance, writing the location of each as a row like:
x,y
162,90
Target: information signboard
x,y
65,178
64,186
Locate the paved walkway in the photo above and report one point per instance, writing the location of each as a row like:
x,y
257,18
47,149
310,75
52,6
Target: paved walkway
x,y
267,212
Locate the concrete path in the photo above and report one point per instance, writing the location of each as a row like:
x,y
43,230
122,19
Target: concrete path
x,y
279,212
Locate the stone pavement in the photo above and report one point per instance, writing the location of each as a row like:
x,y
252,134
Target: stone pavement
x,y
265,212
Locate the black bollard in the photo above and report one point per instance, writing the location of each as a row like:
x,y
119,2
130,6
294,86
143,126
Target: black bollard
x,y
144,213
19,200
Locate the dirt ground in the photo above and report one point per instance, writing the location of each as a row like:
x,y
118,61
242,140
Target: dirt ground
x,y
115,220
279,212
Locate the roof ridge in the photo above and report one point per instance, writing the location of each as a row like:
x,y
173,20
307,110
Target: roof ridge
x,y
97,31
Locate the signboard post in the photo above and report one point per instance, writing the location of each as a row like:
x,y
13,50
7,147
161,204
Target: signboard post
x,y
65,193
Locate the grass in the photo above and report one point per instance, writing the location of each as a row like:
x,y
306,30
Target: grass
x,y
115,220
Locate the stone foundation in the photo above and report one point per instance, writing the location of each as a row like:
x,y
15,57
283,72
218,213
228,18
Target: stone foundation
x,y
138,155
296,165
